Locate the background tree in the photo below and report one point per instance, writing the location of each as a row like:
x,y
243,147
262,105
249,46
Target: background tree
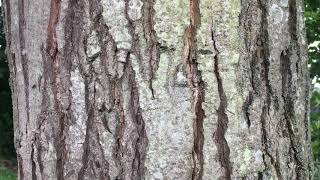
x,y
102,88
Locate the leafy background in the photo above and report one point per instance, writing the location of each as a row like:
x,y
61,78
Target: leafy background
x,y
312,20
6,127
7,152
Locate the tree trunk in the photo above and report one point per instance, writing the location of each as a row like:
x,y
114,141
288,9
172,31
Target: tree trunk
x,y
159,89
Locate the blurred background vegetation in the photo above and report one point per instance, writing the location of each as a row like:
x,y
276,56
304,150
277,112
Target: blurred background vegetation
x,y
312,20
7,152
6,129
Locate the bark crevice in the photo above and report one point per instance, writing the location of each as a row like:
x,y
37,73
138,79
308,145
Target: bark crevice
x,y
222,119
153,46
288,93
263,53
52,52
98,57
196,84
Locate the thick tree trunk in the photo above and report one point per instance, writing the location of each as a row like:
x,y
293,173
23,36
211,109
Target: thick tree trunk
x,y
159,89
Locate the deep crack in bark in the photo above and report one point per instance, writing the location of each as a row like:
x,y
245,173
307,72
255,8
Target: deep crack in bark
x,y
153,47
52,52
289,116
262,52
222,121
196,84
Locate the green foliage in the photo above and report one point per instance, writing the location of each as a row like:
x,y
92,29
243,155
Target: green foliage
x,y
312,20
315,124
6,174
6,127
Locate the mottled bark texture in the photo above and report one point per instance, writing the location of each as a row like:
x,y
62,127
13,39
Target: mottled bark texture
x,y
159,89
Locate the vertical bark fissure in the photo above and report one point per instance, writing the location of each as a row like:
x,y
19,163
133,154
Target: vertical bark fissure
x,y
73,60
263,53
52,51
247,19
260,176
105,164
287,92
125,125
196,84
52,45
149,58
140,144
36,158
246,108
39,150
20,167
118,148
33,167
293,25
101,29
109,58
222,121
44,114
149,34
265,142
89,125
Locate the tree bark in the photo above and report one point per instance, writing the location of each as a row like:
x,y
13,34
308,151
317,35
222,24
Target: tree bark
x,y
159,89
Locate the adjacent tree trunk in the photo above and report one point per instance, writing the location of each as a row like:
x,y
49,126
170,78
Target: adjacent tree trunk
x,y
159,89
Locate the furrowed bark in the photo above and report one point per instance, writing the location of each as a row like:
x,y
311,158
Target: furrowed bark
x,y
145,89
